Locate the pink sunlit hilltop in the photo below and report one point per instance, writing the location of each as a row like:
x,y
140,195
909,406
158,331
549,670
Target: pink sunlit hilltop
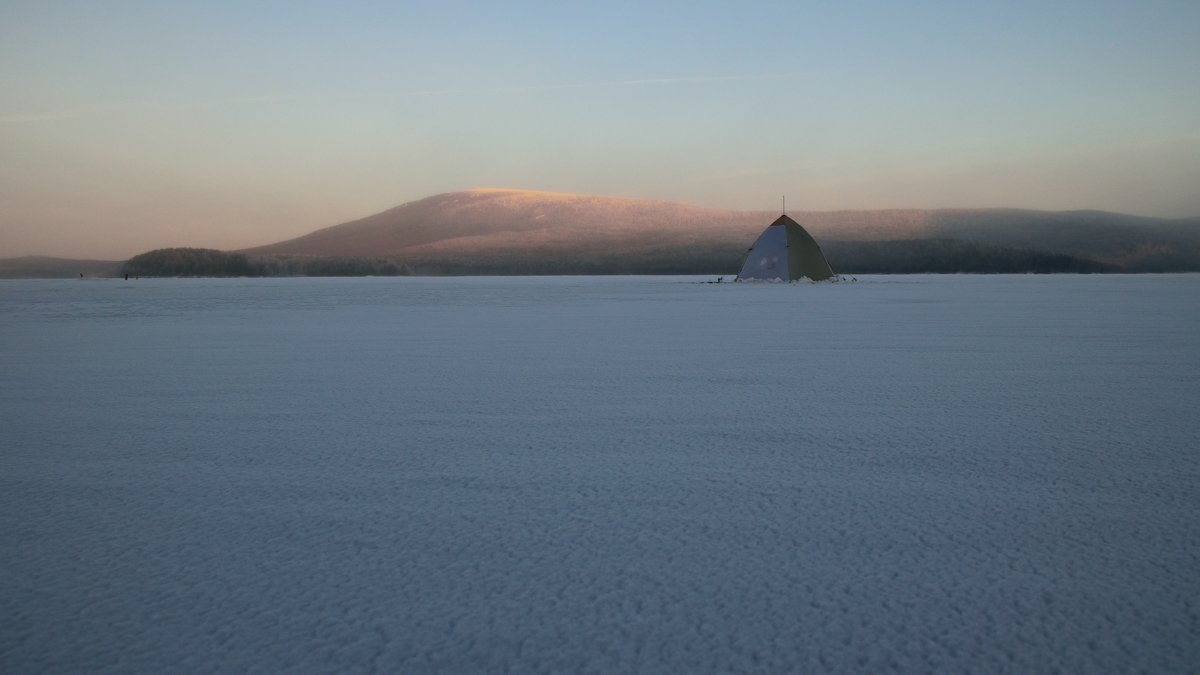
x,y
515,231
510,231
495,219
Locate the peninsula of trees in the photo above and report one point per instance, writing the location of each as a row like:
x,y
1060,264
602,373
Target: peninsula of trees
x,y
206,262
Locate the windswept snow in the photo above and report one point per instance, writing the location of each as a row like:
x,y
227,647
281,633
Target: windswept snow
x,y
994,474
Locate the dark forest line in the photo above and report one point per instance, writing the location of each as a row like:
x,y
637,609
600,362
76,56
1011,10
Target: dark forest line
x,y
938,256
203,262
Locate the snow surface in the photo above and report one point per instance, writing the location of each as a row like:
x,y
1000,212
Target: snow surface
x,y
993,474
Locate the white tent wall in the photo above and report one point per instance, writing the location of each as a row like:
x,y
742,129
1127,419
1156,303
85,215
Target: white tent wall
x,y
767,259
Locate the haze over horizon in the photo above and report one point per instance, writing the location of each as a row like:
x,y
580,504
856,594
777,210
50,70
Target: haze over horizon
x,y
135,125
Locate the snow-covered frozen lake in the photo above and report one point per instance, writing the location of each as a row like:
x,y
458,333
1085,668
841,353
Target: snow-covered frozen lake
x,y
625,474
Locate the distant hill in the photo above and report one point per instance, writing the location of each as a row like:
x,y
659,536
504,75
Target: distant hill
x,y
500,231
43,267
496,231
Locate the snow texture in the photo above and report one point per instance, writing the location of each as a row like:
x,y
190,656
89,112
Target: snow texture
x,y
655,475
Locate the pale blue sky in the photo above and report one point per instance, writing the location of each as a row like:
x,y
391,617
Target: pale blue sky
x,y
131,125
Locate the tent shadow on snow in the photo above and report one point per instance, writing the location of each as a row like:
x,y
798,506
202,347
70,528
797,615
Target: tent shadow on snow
x,y
785,251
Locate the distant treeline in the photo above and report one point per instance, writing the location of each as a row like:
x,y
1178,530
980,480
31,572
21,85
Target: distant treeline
x,y
205,262
950,256
908,256
916,256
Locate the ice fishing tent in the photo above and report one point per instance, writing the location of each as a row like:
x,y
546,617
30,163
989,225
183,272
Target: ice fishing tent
x,y
785,252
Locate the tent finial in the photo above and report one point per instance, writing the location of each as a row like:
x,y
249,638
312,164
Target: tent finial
x,y
785,205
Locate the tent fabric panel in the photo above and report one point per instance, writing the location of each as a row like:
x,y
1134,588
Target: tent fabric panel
x,y
804,255
768,258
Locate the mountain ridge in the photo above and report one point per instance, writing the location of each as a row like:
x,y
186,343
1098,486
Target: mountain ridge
x,y
491,229
513,231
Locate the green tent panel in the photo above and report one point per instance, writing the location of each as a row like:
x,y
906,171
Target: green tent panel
x,y
785,251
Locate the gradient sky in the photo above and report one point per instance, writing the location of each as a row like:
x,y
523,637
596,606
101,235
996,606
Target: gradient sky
x,y
126,126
